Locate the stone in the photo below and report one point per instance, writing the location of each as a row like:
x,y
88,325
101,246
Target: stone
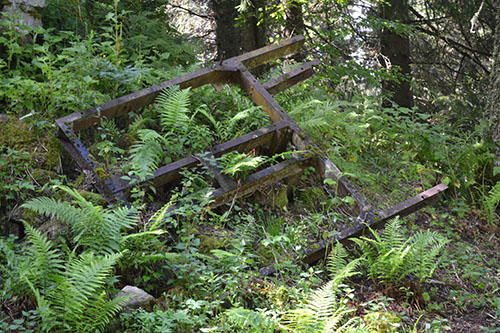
x,y
135,298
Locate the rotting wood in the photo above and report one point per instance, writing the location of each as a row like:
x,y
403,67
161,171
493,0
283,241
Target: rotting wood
x,y
282,132
261,179
320,250
291,78
374,220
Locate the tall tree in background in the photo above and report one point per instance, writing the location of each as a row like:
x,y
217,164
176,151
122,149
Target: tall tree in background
x,y
494,95
227,34
240,27
395,50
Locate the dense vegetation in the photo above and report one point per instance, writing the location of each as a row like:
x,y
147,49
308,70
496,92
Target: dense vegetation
x,y
65,254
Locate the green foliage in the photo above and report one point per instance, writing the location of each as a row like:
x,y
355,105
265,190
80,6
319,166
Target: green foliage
x,y
491,202
238,165
173,109
70,292
93,227
258,322
391,258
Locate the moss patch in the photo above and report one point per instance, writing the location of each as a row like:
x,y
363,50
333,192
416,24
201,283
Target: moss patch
x,y
45,151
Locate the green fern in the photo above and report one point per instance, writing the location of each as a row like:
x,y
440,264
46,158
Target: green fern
x,y
491,202
258,322
338,266
173,108
323,312
390,258
93,227
69,293
146,154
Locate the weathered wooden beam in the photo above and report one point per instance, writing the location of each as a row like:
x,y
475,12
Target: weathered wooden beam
x,y
261,96
132,102
291,78
80,154
267,53
368,218
243,144
263,178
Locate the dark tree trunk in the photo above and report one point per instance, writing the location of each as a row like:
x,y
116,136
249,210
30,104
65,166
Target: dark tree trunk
x,y
494,95
227,34
253,34
294,18
294,24
234,38
395,50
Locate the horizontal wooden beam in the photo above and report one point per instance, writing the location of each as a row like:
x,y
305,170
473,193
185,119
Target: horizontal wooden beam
x,y
374,220
267,53
261,179
243,144
291,78
135,101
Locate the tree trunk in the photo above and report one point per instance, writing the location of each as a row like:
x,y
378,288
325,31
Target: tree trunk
x,y
253,34
232,39
395,50
494,95
294,18
227,34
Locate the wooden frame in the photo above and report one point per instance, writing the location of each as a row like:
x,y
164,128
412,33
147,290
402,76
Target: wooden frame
x,y
282,131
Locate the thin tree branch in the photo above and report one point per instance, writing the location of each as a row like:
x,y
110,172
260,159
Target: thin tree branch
x,y
206,17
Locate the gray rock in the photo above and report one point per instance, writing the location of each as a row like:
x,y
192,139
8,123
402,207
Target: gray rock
x,y
135,298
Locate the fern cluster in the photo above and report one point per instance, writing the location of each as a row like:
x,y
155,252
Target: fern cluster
x,y
325,310
93,227
391,257
69,281
186,127
69,289
491,202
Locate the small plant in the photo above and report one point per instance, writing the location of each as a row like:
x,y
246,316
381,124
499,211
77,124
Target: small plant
x,y
491,202
390,258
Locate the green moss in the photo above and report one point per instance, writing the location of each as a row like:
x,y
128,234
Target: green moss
x,y
312,196
212,242
265,254
45,150
281,198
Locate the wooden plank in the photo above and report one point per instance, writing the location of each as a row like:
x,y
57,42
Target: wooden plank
x,y
291,78
261,96
133,102
266,177
80,154
267,53
367,218
243,144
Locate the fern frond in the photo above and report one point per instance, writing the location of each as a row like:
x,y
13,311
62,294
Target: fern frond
x,y
323,312
64,211
338,266
46,261
244,318
203,109
173,108
491,202
146,154
99,312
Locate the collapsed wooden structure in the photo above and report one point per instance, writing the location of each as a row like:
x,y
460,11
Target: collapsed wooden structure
x,y
276,137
